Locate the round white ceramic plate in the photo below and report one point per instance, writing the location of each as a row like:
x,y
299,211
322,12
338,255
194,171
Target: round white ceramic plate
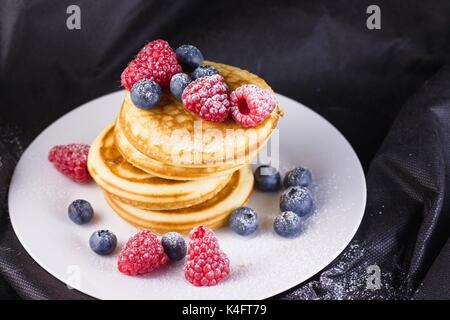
x,y
262,265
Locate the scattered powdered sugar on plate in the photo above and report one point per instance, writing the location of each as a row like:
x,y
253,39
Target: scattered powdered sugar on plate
x,y
262,265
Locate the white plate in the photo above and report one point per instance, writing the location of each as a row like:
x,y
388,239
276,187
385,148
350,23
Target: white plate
x,y
262,266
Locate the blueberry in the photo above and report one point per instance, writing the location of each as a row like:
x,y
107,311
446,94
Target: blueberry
x,y
288,224
146,94
244,221
298,177
103,242
189,57
203,71
297,199
267,178
178,83
174,246
80,211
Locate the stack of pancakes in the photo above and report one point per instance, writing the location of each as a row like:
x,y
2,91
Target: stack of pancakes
x,y
166,169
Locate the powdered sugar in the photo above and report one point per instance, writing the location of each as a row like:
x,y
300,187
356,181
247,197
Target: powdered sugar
x,y
156,61
207,97
206,264
250,105
142,254
38,191
71,159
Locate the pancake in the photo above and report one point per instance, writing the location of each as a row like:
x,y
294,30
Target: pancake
x,y
131,185
171,135
168,171
213,213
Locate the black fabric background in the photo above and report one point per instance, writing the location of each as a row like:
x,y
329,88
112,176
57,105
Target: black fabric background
x,y
388,85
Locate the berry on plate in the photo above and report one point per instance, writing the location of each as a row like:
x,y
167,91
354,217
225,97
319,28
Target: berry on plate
x,y
297,177
71,159
156,61
297,199
80,211
244,221
204,71
267,178
288,224
208,98
146,94
174,245
103,242
178,83
189,57
142,254
206,264
250,105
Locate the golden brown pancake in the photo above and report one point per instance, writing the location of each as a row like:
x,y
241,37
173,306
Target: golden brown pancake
x,y
170,135
168,171
212,213
131,185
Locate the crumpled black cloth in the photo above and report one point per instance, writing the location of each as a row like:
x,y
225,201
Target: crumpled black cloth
x,y
407,219
387,91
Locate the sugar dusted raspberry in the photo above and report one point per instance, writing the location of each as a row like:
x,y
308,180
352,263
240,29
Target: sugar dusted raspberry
x,y
206,264
208,97
143,253
250,105
71,159
156,61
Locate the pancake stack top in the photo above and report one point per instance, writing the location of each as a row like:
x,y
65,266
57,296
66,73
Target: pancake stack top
x,y
167,169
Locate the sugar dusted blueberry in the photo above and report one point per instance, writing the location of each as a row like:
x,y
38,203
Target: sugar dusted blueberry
x,y
174,245
103,242
298,177
267,178
178,83
297,199
80,211
146,94
288,224
189,57
204,71
244,221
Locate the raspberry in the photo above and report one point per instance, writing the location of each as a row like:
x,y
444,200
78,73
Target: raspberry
x,y
156,61
250,105
207,97
206,264
142,254
71,159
